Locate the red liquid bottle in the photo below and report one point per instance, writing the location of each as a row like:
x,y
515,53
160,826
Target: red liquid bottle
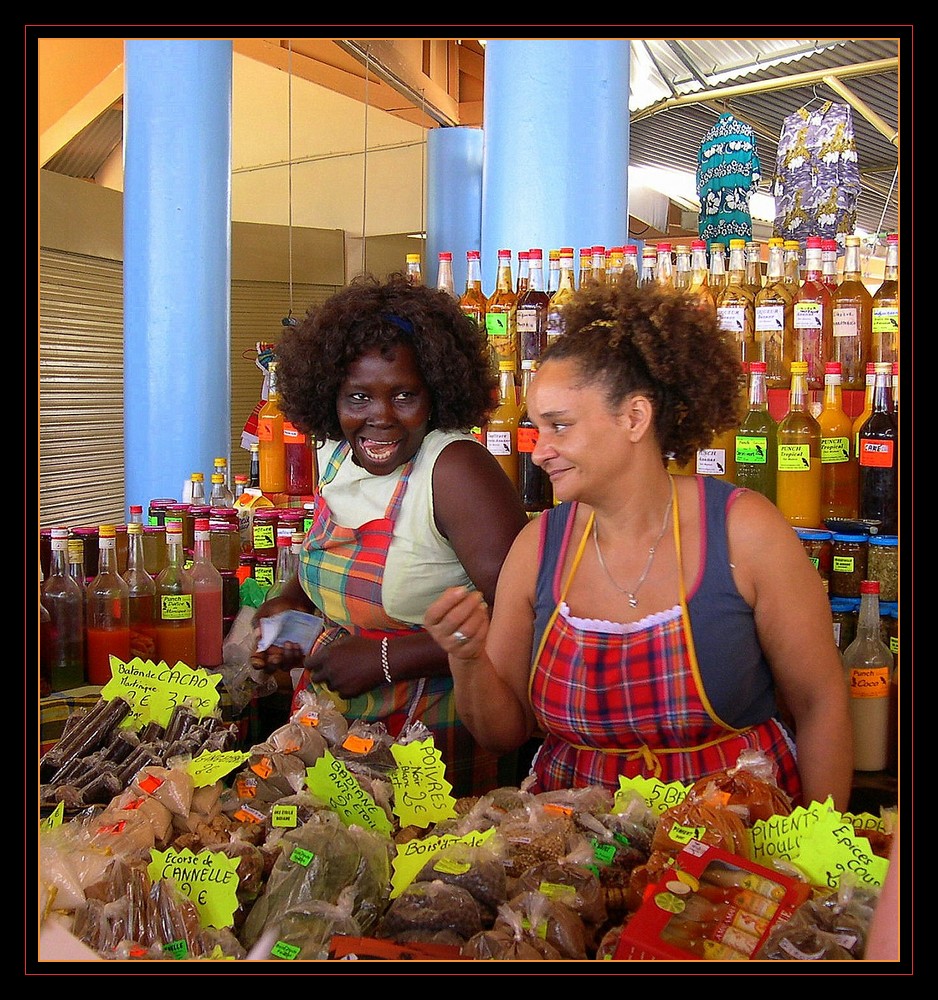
x,y
108,602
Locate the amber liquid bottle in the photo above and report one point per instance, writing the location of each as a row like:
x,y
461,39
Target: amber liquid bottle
x,y
773,319
700,275
472,300
852,324
533,482
664,268
682,271
885,319
839,470
565,290
501,429
753,268
812,317
141,589
798,481
736,312
500,315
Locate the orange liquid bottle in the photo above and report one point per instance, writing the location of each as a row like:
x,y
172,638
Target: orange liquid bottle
x,y
798,480
885,320
839,469
273,468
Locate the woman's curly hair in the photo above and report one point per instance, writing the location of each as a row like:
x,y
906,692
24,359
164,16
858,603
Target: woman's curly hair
x,y
450,350
661,342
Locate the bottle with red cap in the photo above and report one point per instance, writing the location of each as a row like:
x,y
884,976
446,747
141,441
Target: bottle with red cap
x,y
868,667
207,599
107,599
444,273
839,470
500,315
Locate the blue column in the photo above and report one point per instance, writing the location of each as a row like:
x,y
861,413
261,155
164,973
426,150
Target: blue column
x,y
556,152
454,198
177,263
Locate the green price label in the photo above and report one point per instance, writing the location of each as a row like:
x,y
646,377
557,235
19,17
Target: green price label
x,y
835,449
794,458
752,450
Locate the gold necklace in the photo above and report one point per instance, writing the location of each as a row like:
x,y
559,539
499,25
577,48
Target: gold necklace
x,y
630,594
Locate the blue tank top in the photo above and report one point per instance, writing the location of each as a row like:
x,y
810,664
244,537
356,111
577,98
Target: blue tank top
x,y
735,673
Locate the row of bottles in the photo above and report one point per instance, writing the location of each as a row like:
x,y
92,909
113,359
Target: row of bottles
x,y
814,468
816,318
174,616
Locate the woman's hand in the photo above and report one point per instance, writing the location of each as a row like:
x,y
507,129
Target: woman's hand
x,y
459,622
349,665
278,658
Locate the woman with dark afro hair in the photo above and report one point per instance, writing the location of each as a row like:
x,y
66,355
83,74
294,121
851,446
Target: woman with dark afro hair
x,y
649,625
390,378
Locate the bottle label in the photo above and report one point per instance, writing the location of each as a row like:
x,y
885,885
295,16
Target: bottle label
x,y
291,435
527,439
846,322
769,319
869,682
885,319
265,428
876,453
498,442
711,461
794,458
264,575
894,645
264,536
732,318
835,449
527,320
175,607
751,449
842,564
807,315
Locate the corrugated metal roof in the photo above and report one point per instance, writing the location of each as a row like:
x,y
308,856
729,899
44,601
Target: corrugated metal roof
x,y
668,134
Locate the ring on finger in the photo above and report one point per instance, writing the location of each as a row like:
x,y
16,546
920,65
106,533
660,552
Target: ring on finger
x,y
460,636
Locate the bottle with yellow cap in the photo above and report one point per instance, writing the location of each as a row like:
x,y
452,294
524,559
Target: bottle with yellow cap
x,y
798,479
413,271
501,429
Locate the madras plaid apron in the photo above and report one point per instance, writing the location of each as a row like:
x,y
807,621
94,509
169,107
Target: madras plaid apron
x,y
633,703
342,571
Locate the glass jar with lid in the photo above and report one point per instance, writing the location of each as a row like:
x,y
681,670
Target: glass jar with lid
x,y
883,566
818,544
845,612
848,564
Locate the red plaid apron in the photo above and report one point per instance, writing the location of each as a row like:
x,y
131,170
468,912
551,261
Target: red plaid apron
x,y
342,571
634,704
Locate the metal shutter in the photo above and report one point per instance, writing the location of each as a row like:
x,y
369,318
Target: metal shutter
x,y
81,379
81,390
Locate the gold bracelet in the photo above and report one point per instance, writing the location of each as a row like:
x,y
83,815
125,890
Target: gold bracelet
x,y
384,660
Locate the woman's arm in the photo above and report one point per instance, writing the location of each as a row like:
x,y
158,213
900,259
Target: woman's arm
x,y
491,668
793,621
479,511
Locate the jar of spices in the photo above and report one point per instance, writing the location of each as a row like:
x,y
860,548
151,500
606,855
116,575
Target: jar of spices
x,y
883,566
846,612
819,546
848,564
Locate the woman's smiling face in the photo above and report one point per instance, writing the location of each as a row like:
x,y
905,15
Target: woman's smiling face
x,y
384,409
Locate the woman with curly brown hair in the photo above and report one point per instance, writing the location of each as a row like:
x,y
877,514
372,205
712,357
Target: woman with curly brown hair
x,y
390,378
648,624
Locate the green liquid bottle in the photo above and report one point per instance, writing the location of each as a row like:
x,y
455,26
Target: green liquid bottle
x,y
757,439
